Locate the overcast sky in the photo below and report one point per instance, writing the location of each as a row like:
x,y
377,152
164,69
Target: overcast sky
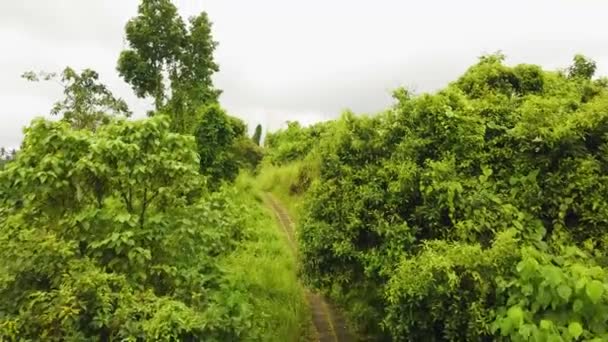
x,y
297,60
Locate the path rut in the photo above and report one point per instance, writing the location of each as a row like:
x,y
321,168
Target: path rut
x,y
329,323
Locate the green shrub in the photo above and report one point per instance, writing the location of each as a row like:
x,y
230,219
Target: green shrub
x,y
224,147
109,235
438,185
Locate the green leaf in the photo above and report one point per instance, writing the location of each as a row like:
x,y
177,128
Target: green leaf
x,y
552,274
526,330
554,338
564,291
516,315
575,329
594,290
546,324
505,327
123,217
581,283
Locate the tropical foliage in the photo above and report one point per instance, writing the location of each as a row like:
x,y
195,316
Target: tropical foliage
x,y
223,146
109,234
293,143
477,212
170,61
87,102
114,229
474,213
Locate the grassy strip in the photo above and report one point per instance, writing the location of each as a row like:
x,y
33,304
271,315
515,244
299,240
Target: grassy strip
x,y
281,182
264,269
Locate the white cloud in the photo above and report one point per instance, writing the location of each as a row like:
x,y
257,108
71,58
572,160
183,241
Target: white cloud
x,y
299,60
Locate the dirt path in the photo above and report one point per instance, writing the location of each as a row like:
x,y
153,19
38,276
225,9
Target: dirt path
x,y
329,324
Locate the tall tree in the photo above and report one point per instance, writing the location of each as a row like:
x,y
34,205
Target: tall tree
x,y
170,61
582,68
215,136
257,135
88,103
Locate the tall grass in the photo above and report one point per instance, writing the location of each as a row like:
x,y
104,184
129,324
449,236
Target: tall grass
x,y
265,269
288,182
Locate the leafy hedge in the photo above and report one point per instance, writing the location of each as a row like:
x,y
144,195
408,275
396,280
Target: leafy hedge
x,y
478,212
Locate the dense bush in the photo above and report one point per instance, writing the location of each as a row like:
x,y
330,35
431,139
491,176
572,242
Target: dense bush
x,y
134,230
109,235
293,143
223,146
478,212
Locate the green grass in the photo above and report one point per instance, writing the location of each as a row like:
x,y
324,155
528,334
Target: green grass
x,y
279,181
265,269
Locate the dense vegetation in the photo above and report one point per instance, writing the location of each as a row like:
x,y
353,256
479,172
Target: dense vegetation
x,y
110,234
137,230
170,61
88,103
224,147
478,212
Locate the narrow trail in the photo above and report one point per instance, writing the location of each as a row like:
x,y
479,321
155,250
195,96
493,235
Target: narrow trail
x,y
329,324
